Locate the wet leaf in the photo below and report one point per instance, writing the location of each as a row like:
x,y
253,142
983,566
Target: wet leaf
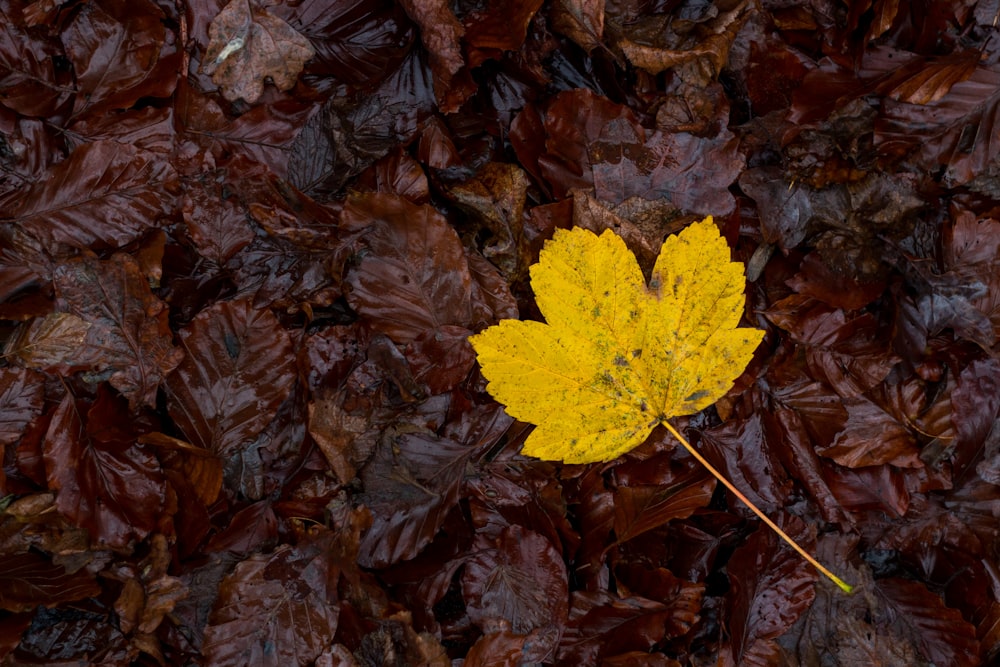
x,y
238,369
30,81
104,481
414,277
943,636
600,315
424,469
104,195
248,46
519,579
440,33
591,143
30,579
110,324
120,53
272,610
772,587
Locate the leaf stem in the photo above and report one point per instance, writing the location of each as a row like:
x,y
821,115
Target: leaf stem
x,y
847,588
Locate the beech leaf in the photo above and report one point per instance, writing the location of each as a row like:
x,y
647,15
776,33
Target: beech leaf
x,y
617,357
247,46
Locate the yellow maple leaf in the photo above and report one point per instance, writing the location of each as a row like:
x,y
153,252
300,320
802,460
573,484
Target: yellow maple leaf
x,y
616,357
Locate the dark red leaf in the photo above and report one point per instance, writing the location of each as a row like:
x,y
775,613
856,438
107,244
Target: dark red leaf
x,y
273,610
600,625
517,581
21,401
440,33
104,481
855,448
357,42
30,82
216,223
120,53
238,370
742,452
423,470
937,132
943,635
110,324
104,195
415,278
772,587
30,579
639,509
592,143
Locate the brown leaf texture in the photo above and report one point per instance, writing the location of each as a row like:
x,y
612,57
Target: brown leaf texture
x,y
249,46
244,245
237,370
111,325
105,195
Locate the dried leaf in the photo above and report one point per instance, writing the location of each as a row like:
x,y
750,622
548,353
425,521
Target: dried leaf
x,y
619,357
248,46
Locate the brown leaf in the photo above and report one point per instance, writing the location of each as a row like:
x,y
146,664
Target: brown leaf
x,y
591,142
31,83
30,579
272,610
110,324
104,481
441,35
120,52
496,196
238,369
772,587
642,508
517,580
414,278
104,195
249,46
426,470
580,20
22,395
941,632
356,42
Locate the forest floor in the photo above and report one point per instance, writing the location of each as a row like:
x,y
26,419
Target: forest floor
x,y
242,249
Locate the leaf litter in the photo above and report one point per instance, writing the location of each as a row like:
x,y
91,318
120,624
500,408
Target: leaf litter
x,y
243,247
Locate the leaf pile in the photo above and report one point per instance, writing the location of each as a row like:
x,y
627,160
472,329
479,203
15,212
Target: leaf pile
x,y
243,248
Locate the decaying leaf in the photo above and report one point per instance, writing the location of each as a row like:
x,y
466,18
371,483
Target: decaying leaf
x,y
249,46
617,357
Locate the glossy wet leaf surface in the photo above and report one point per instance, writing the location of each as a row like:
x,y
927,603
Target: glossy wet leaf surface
x,y
243,248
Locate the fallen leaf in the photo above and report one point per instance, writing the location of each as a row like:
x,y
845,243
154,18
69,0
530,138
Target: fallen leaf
x,y
248,46
109,324
616,357
238,370
105,481
272,610
104,195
